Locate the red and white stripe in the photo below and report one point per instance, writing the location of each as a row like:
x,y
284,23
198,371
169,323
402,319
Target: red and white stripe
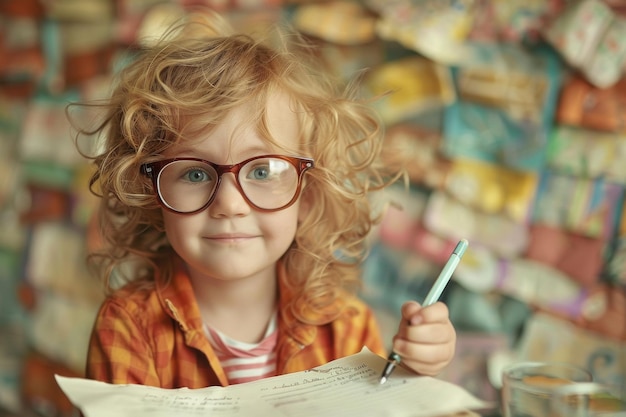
x,y
245,362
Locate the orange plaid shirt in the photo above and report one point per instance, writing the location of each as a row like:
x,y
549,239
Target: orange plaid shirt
x,y
156,338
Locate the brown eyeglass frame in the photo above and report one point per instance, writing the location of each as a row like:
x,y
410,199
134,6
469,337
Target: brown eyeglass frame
x,y
153,169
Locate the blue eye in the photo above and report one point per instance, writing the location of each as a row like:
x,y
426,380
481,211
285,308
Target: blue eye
x,y
260,173
196,175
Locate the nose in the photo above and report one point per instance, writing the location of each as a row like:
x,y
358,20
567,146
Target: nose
x,y
228,200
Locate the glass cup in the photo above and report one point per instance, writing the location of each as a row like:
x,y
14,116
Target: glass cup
x,y
527,387
587,399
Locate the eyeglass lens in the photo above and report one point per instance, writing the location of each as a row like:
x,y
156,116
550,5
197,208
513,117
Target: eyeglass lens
x,y
268,183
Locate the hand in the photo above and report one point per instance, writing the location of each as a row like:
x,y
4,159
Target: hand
x,y
426,339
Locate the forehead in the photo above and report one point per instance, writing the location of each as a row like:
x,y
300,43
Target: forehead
x,y
253,127
281,114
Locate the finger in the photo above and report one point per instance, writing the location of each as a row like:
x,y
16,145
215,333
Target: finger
x,y
413,313
437,312
409,310
428,333
426,359
424,352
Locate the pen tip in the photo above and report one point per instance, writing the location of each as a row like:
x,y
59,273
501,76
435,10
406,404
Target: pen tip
x,y
383,380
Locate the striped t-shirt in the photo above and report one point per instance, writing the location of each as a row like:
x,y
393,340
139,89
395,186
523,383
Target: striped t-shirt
x,y
245,362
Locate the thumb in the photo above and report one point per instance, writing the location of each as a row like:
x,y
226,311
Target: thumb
x,y
410,312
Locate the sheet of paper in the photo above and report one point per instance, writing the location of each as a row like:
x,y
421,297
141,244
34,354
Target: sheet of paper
x,y
347,387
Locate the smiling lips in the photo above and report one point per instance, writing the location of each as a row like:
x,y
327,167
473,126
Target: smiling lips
x,y
230,237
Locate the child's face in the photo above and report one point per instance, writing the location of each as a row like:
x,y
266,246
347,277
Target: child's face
x,y
231,240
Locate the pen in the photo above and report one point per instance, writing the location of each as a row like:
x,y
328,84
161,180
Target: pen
x,y
433,295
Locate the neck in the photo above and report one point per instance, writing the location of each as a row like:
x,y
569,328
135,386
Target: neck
x,y
240,308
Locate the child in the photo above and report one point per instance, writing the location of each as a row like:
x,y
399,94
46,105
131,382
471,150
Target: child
x,y
235,184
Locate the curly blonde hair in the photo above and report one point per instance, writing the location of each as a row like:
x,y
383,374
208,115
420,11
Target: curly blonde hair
x,y
200,71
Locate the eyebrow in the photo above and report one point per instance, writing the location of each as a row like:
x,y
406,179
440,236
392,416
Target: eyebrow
x,y
244,153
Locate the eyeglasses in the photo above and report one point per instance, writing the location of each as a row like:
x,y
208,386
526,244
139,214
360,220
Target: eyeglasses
x,y
188,185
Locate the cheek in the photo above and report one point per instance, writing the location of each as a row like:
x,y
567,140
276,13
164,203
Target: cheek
x,y
178,227
304,204
282,228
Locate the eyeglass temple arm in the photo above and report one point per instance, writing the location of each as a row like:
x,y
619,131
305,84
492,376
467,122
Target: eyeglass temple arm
x,y
146,170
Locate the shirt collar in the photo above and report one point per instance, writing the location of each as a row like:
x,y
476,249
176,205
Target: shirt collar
x,y
178,300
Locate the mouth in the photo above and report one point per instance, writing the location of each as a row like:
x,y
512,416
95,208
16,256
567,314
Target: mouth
x,y
230,237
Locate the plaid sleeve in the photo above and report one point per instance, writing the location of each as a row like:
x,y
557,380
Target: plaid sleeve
x,y
372,337
119,351
358,328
